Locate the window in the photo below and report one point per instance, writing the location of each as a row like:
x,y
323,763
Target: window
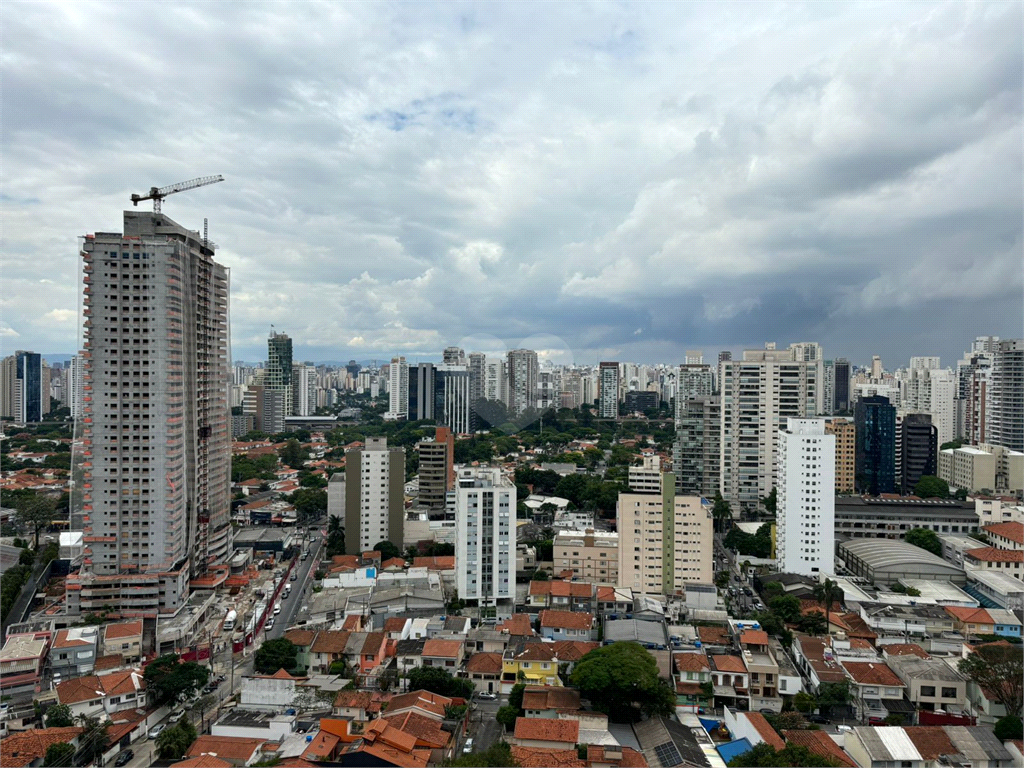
x,y
949,693
927,690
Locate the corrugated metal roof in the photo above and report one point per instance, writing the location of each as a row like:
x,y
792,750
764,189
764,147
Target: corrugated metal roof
x,y
897,743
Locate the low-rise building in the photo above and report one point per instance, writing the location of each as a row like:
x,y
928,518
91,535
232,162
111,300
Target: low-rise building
x,y
1007,561
73,652
123,638
544,733
561,595
877,690
28,748
484,669
931,683
21,659
591,555
1006,535
926,746
92,695
692,671
567,625
447,654
236,751
533,662
547,701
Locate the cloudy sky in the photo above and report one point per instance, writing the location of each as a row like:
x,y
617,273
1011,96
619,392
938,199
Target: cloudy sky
x,y
615,181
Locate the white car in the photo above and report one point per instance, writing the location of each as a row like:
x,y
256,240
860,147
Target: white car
x,y
156,730
488,696
277,609
468,747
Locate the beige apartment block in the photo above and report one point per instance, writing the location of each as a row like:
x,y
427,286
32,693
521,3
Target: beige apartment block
x,y
591,555
846,452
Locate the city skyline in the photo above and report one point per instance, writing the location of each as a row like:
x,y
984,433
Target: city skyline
x,y
604,178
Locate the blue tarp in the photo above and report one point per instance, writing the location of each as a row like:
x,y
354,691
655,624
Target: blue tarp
x,y
733,749
709,725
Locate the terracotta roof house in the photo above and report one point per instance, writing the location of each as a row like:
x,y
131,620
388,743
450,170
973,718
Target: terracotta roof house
x,y
438,652
821,744
25,748
567,625
532,757
429,704
546,733
1006,535
124,638
360,705
484,669
206,761
605,756
546,700
427,730
235,750
904,649
109,692
519,624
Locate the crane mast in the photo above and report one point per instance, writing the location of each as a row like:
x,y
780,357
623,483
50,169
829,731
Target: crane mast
x,y
157,194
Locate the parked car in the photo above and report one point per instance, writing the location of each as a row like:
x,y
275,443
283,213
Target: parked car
x,y
820,719
124,758
294,576
766,711
156,730
488,696
468,746
277,609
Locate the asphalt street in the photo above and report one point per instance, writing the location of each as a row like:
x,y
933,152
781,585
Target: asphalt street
x,y
483,728
300,587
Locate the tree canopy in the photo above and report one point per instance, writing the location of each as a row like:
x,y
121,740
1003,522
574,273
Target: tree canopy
x,y
293,454
756,545
173,742
169,679
1000,670
60,754
437,680
276,654
931,487
623,682
335,536
387,550
59,716
765,754
925,539
497,755
35,513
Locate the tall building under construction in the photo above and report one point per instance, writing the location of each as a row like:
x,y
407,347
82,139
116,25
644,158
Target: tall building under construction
x,y
152,460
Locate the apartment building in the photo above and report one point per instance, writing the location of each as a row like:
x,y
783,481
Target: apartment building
x,y
697,450
24,387
398,389
1005,403
806,498
982,468
156,455
522,380
758,394
278,373
608,381
485,536
664,540
845,432
374,508
592,556
875,422
647,477
436,471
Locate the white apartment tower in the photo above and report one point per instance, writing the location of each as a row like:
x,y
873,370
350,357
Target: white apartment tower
x,y
303,390
1005,405
608,379
926,388
759,393
485,536
805,542
398,389
155,456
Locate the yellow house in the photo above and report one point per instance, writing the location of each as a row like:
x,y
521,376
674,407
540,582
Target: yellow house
x,y
530,663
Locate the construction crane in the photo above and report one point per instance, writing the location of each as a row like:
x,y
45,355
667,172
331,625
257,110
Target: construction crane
x,y
156,194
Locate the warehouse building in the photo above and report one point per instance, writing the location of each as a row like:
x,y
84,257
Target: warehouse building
x,y
885,561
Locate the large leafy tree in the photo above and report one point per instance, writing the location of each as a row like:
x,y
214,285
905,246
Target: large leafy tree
x,y
497,755
622,680
792,755
293,454
274,655
60,754
999,669
35,513
309,502
59,716
173,742
721,512
170,679
786,607
387,550
834,694
931,487
437,680
925,539
93,741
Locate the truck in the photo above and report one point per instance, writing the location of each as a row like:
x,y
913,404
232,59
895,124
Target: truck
x,y
229,621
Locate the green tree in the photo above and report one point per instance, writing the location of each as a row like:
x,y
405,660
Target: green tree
x,y
622,681
804,702
173,742
722,579
721,512
540,575
1009,727
765,755
771,501
925,539
293,454
813,623
952,444
507,716
387,550
786,607
437,680
335,536
59,754
35,513
310,502
169,679
273,655
999,669
931,487
834,695
59,716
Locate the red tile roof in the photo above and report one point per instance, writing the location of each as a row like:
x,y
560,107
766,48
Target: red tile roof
x,y
573,650
728,664
484,663
330,641
123,629
1011,531
25,747
754,637
393,562
226,747
561,588
546,729
395,625
425,700
821,744
537,652
714,636
566,620
969,615
206,761
534,757
61,640
931,741
691,662
372,644
443,649
550,697
871,673
905,649
438,563
300,637
426,730
993,555
765,731
519,624
630,757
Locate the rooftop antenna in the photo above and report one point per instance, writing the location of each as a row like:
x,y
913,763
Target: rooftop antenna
x,y
156,194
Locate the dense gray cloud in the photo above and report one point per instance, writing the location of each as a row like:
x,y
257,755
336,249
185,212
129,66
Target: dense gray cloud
x,y
632,180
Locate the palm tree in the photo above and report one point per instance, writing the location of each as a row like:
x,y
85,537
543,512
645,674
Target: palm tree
x,y
828,592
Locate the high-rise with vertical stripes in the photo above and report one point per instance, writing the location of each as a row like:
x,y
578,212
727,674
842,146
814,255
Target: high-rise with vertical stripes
x,y
152,461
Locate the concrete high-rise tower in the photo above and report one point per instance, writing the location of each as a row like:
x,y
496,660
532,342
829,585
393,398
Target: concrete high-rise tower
x,y
278,375
608,381
485,536
24,387
875,422
1005,405
154,437
522,380
374,507
805,541
398,384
